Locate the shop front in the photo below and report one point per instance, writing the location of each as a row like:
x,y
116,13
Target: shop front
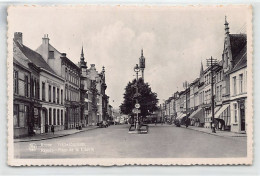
x,y
222,118
21,118
197,117
238,111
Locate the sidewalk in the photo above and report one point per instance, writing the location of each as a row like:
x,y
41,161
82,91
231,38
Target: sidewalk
x,y
218,133
57,134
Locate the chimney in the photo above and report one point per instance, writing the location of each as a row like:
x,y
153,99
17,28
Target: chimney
x,y
18,36
45,39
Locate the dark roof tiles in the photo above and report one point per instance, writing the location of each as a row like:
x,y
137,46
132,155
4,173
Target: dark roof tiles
x,y
237,42
34,57
242,60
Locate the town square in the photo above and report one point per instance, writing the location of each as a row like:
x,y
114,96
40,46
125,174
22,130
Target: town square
x,y
130,83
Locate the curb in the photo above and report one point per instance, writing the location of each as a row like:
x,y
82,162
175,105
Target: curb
x,y
214,134
52,137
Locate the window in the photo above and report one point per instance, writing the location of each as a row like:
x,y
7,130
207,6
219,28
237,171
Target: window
x,y
58,95
220,90
50,114
37,89
34,89
66,73
16,82
54,95
58,116
21,120
16,115
49,93
43,91
240,83
26,114
51,54
61,117
235,85
235,112
26,88
61,96
54,116
217,93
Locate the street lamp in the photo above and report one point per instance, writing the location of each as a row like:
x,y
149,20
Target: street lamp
x,y
137,70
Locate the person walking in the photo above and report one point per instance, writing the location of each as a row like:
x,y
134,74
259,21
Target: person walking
x,y
187,122
52,129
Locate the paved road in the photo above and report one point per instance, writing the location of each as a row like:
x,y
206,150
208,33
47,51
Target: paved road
x,y
162,141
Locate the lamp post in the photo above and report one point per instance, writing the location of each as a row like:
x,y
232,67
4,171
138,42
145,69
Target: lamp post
x,y
137,70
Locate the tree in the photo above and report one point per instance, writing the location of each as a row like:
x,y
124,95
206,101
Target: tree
x,y
147,99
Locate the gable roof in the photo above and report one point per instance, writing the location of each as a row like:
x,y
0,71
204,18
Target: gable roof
x,y
237,42
34,57
242,60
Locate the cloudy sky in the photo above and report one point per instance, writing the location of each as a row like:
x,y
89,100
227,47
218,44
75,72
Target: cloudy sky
x,y
175,40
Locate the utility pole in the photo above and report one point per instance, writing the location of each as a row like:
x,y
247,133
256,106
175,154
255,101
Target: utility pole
x,y
185,86
211,62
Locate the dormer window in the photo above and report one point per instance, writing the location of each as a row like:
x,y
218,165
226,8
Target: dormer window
x,y
51,54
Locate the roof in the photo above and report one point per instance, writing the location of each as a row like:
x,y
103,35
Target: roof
x,y
237,42
242,60
34,57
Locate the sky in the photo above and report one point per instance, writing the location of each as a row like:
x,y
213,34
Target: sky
x,y
175,40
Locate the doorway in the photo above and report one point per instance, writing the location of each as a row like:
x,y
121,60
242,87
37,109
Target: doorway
x,y
45,122
242,116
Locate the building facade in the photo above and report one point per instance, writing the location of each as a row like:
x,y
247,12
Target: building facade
x,y
70,72
43,87
238,94
24,85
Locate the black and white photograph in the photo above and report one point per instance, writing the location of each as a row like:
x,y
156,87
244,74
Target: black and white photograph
x,y
116,85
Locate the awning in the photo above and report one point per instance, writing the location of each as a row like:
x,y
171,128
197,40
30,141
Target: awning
x,y
180,116
215,111
222,109
198,114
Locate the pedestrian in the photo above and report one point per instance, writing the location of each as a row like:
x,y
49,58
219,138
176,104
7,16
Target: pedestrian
x,y
187,122
213,127
52,129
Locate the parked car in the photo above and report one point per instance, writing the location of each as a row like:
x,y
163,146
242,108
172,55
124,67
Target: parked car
x,y
102,124
110,122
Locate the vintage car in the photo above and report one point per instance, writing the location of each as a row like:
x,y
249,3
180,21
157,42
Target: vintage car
x,y
102,124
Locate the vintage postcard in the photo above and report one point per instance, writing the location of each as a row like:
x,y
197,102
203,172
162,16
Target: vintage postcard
x,y
124,85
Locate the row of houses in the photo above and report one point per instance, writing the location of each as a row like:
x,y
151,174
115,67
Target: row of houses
x,y
50,90
229,90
